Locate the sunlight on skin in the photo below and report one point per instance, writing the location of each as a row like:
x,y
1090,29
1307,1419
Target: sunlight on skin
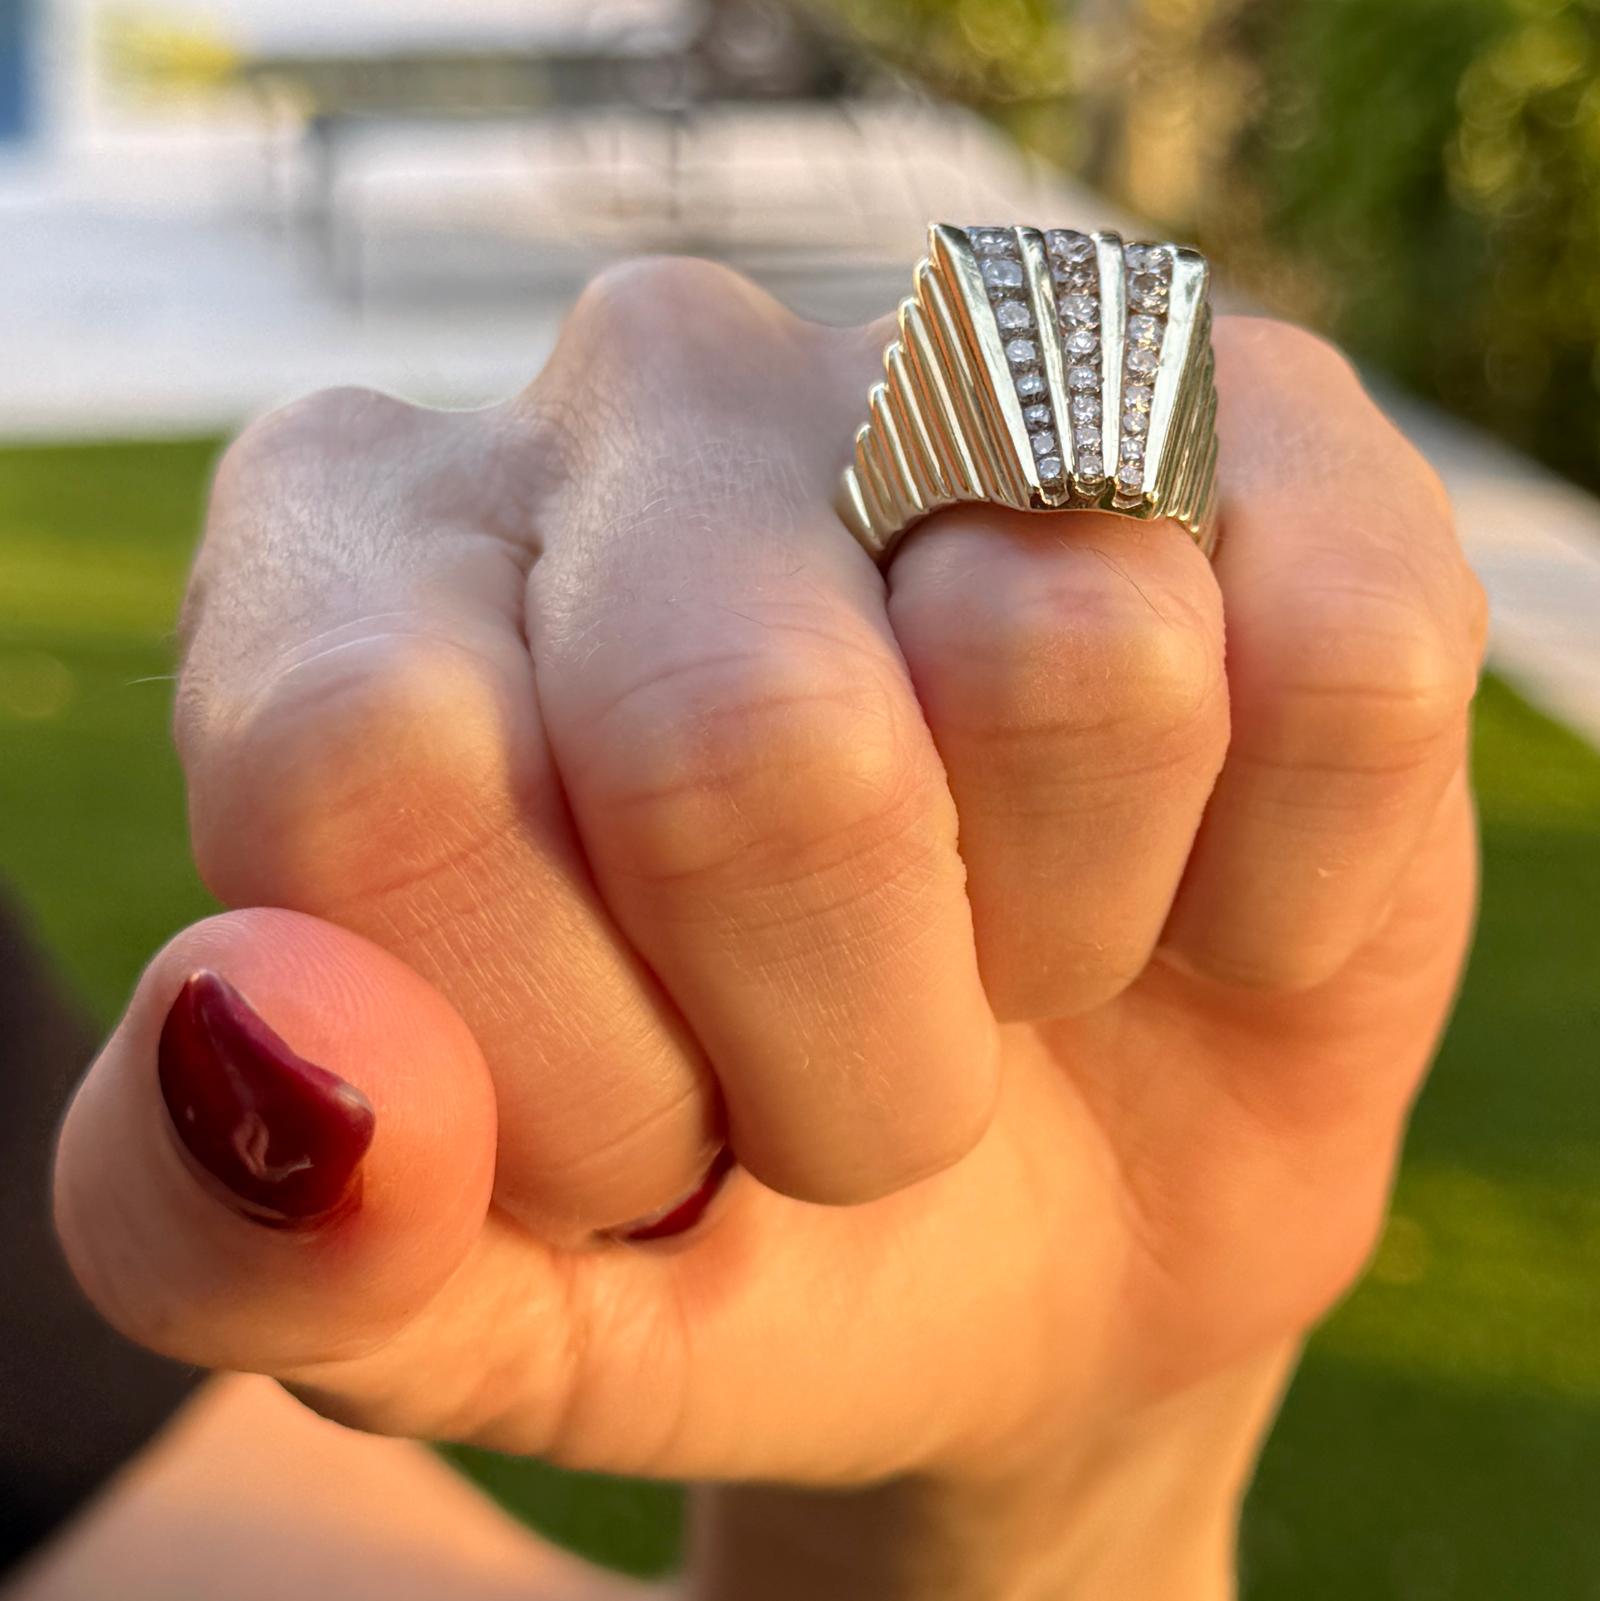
x,y
248,1484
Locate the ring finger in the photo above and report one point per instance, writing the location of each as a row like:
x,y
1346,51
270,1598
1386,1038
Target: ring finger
x,y
1072,676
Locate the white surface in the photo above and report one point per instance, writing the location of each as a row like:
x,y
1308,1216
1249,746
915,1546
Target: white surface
x,y
340,26
464,249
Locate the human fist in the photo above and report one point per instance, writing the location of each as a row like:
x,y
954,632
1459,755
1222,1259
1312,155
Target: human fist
x,y
1055,927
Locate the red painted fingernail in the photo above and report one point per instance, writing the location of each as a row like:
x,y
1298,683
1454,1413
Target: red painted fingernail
x,y
283,1137
682,1215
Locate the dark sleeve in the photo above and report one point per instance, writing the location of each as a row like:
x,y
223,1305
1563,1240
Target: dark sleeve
x,y
76,1400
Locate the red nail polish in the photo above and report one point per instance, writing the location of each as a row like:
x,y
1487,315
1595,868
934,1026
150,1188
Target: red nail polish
x,y
283,1136
683,1215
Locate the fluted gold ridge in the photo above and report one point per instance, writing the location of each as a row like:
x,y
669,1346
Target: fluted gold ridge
x,y
947,425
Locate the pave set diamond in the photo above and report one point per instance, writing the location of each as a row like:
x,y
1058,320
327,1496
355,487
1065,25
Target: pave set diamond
x,y
1000,264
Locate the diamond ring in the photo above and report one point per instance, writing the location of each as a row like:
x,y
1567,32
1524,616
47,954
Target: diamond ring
x,y
1042,371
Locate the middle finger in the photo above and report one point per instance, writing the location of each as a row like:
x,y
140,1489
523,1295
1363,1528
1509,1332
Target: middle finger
x,y
744,755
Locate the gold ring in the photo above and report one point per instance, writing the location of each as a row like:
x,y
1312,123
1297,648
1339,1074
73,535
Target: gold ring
x,y
1044,371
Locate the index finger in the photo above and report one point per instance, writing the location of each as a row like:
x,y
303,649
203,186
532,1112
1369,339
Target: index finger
x,y
362,740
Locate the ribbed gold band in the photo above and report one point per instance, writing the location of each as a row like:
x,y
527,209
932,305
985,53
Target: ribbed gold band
x,y
1044,371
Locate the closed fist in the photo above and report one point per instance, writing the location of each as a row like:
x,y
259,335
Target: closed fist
x,y
1054,927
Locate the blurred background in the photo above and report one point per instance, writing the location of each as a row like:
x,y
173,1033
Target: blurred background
x,y
207,206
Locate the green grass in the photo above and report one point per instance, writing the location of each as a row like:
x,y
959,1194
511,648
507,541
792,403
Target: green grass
x,y
1443,1440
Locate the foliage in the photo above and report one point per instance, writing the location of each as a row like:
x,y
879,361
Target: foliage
x,y
1421,178
1438,164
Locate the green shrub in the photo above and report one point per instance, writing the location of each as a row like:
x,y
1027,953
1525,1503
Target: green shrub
x,y
1420,178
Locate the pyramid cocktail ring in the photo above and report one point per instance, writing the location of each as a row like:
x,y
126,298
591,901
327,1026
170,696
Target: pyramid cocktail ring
x,y
1044,371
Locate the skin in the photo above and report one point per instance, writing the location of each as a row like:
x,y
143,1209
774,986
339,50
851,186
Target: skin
x,y
247,1495
1057,925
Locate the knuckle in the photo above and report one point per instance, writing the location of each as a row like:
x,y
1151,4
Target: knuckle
x,y
305,428
362,770
781,755
922,1137
682,302
1373,675
301,495
1168,671
1287,349
1058,665
965,1120
651,282
1288,967
1026,989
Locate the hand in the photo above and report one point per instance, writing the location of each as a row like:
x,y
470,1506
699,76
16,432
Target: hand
x,y
609,800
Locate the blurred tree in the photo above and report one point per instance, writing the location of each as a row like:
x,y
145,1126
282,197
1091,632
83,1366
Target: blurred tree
x,y
1420,178
1433,168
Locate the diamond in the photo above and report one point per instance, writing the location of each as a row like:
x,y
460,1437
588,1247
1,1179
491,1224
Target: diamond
x,y
1082,342
1022,352
1135,422
1000,272
1085,408
1074,246
1144,330
1147,258
1131,475
1091,467
1044,443
1050,469
1079,308
1132,449
1031,385
1082,377
1036,416
1137,397
1013,316
992,241
1079,279
1086,437
1147,292
1143,363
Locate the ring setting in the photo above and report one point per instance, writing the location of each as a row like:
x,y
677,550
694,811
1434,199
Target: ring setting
x,y
1042,371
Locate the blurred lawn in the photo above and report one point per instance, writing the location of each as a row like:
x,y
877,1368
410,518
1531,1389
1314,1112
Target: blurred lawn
x,y
1443,1440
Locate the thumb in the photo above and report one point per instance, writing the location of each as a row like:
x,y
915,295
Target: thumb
x,y
283,1151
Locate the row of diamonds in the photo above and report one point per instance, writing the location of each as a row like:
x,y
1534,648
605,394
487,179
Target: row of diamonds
x,y
1001,265
1074,269
1147,272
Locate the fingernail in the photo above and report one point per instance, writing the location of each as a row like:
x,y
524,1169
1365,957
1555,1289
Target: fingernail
x,y
282,1136
682,1215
